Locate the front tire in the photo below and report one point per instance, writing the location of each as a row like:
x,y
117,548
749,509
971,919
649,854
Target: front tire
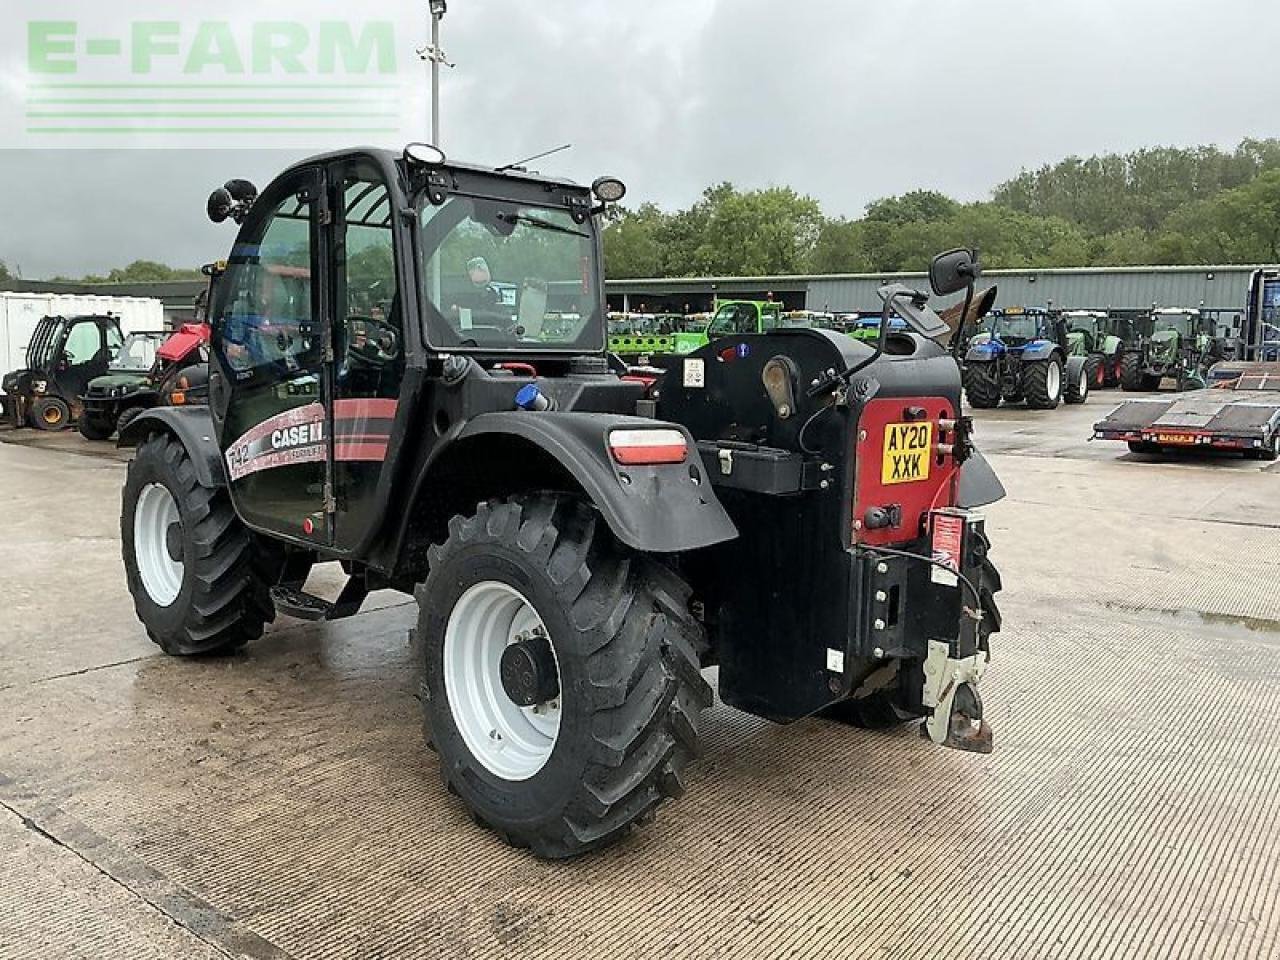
x,y
50,413
200,580
982,385
563,774
1078,391
92,428
1042,383
1131,376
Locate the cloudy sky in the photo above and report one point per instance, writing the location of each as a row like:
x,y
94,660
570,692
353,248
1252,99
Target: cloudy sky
x,y
847,101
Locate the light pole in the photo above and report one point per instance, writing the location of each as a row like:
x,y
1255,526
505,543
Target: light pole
x,y
436,56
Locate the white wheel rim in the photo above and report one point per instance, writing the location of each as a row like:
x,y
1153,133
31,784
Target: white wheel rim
x,y
1053,381
153,514
1084,383
510,741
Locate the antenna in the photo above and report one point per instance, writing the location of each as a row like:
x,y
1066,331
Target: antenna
x,y
536,156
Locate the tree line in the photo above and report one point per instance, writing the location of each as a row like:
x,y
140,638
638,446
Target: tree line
x,y
1165,205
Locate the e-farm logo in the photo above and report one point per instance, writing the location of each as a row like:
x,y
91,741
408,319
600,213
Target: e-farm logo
x,y
215,82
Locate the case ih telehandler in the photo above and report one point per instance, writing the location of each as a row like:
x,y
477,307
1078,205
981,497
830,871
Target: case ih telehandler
x,y
795,507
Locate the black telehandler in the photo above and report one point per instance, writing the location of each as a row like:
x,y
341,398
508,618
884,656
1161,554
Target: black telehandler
x,y
796,507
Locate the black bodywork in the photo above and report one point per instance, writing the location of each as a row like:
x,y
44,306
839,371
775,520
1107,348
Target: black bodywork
x,y
52,371
767,548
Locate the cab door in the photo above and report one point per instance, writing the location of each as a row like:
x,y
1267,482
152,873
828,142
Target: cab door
x,y
369,343
268,389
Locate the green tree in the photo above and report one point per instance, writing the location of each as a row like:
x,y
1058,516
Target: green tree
x,y
771,231
633,244
4,272
149,271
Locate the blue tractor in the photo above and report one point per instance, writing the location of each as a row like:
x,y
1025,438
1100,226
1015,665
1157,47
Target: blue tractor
x,y
1022,354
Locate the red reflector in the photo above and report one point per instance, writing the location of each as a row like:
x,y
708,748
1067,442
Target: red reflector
x,y
637,447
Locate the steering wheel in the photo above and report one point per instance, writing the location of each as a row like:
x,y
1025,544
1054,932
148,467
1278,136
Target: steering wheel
x,y
371,342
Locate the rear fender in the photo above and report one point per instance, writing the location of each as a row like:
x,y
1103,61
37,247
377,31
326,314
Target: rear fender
x,y
979,484
193,428
1039,350
665,508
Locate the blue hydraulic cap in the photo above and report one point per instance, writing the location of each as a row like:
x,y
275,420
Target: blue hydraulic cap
x,y
531,398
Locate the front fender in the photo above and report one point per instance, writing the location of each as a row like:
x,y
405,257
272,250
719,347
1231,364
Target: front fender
x,y
981,353
661,510
1074,366
193,428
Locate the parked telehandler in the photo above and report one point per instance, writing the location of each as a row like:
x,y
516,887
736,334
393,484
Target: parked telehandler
x,y
793,506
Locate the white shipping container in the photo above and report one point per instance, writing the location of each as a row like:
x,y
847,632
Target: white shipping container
x,y
20,312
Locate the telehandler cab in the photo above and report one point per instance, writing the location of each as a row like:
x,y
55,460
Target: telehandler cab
x,y
794,507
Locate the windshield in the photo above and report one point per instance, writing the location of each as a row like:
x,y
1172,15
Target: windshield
x,y
502,275
733,318
137,353
1087,325
1179,323
1023,327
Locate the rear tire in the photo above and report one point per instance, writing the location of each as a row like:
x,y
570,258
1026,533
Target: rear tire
x,y
1042,383
1131,377
876,711
50,413
1270,451
982,385
623,646
200,579
128,416
1142,446
91,428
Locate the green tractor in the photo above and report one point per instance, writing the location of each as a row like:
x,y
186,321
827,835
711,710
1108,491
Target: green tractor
x,y
1100,336
1178,343
634,344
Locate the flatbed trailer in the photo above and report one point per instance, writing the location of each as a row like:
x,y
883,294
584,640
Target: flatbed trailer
x,y
1240,412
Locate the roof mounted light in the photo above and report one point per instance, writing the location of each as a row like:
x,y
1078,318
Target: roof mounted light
x,y
609,189
424,154
438,8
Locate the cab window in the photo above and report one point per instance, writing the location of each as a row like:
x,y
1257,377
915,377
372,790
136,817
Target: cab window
x,y
83,343
369,346
267,322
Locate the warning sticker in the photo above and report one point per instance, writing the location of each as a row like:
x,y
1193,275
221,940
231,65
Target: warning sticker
x,y
695,373
907,452
948,539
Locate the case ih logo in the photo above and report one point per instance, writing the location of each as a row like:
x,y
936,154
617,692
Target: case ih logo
x,y
135,75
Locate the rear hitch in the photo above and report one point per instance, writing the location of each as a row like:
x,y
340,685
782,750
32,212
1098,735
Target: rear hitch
x,y
951,690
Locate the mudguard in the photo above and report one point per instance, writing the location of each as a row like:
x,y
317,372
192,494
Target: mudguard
x,y
979,484
1039,350
193,427
983,352
661,510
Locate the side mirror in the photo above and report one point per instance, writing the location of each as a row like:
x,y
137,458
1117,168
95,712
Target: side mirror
x,y
953,271
219,205
911,306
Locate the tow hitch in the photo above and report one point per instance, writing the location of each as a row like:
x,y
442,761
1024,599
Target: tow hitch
x,y
951,690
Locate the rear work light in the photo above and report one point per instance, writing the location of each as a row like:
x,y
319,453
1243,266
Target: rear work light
x,y
639,447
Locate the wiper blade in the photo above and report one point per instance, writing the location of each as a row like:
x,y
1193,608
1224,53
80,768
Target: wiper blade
x,y
539,223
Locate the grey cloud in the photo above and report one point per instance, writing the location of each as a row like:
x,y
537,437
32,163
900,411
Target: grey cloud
x,y
847,101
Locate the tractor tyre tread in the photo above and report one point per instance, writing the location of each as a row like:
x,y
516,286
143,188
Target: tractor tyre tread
x,y
225,599
1035,384
982,385
631,633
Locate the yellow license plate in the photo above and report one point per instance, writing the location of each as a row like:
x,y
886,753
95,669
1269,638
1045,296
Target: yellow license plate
x,y
1175,438
908,448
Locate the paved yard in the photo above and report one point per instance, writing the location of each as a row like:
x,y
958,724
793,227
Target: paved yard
x,y
280,803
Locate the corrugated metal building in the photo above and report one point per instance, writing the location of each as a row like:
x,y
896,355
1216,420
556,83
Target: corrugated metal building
x,y
1217,288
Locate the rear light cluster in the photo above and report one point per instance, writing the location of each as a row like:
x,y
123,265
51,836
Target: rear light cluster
x,y
648,446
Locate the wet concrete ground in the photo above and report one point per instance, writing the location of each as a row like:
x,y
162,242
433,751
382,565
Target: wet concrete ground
x,y
280,803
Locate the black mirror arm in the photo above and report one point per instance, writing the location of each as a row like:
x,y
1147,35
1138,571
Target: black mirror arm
x,y
964,319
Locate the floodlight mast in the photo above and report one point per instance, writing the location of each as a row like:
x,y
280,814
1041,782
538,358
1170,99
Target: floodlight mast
x,y
435,56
